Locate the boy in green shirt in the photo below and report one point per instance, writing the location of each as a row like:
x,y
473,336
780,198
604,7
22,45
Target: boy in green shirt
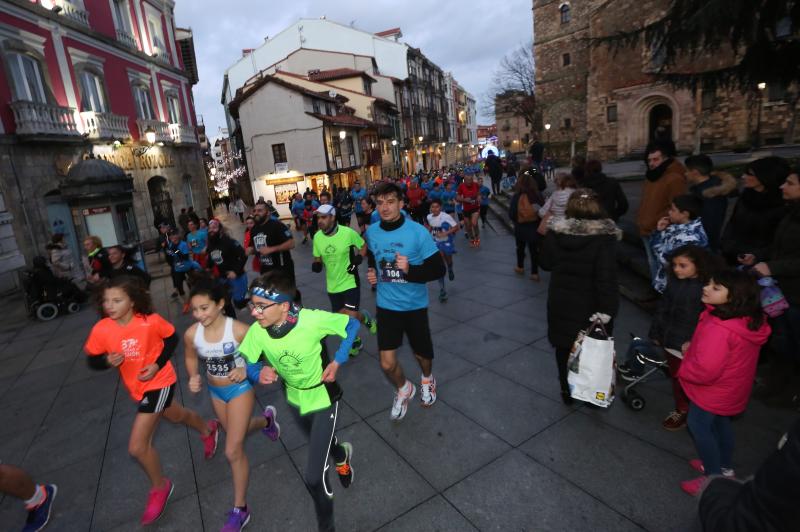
x,y
341,250
290,338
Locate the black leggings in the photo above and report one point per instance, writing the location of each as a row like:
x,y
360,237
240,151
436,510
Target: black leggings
x,y
496,185
533,248
320,427
177,281
562,356
484,213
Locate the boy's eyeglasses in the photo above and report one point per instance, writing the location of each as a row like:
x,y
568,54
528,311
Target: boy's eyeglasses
x,y
260,308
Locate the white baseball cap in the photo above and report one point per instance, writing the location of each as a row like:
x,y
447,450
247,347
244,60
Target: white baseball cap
x,y
326,210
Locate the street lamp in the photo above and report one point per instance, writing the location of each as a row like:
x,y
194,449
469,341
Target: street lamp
x,y
419,138
394,142
150,135
547,128
342,134
757,140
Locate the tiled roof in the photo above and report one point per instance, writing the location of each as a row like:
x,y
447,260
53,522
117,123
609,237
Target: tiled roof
x,y
343,120
385,33
338,73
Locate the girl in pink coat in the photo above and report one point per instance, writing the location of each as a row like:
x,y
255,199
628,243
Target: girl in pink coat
x,y
718,369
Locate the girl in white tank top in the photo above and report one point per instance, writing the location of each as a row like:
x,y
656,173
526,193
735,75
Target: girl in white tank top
x,y
232,394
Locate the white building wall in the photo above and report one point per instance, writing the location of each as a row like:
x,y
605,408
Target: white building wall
x,y
276,115
472,118
319,34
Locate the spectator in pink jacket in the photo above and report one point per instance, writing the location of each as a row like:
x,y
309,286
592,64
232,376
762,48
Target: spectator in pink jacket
x,y
718,369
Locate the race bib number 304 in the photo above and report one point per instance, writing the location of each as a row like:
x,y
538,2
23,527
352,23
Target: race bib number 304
x,y
390,273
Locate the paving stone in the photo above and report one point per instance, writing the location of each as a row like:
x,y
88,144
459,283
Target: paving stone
x,y
456,307
507,324
476,344
277,498
385,485
509,411
432,441
516,493
440,323
496,297
532,368
32,382
615,468
15,445
21,413
14,366
49,357
366,389
434,515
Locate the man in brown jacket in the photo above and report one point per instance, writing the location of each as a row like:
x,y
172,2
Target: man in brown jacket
x,y
665,179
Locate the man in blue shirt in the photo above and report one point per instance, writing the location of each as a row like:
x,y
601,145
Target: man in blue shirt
x,y
402,259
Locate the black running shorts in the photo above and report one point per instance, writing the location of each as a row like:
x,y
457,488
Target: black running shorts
x,y
392,324
156,401
348,300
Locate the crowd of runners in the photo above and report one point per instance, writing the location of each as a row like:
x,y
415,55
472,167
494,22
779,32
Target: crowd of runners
x,y
403,230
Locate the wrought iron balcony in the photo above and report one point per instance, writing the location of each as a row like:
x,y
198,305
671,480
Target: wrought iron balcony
x,y
161,129
105,125
44,119
182,134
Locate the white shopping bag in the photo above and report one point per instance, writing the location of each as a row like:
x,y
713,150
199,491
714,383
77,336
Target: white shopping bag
x,y
591,366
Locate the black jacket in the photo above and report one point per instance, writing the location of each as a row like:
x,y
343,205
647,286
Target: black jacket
x,y
582,256
752,225
784,255
494,166
714,194
612,197
677,313
226,254
768,503
130,269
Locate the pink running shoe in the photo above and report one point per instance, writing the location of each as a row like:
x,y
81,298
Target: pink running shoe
x,y
157,502
697,465
695,486
210,441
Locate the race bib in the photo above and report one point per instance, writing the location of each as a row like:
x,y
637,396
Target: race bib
x,y
216,256
390,273
220,366
265,260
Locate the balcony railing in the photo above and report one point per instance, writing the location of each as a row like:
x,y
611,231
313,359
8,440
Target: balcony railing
x,y
105,125
43,119
73,12
160,55
161,129
372,156
127,39
182,134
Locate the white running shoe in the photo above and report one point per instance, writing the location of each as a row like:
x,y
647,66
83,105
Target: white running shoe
x,y
400,404
427,392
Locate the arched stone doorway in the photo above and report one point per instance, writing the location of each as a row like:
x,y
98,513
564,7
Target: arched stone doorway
x,y
160,201
660,122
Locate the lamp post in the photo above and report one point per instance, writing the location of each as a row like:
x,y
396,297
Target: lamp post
x,y
547,129
757,140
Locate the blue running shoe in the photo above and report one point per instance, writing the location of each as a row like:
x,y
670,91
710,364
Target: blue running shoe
x,y
38,517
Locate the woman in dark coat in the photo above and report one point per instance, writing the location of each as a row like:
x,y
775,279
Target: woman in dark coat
x,y
758,212
525,232
580,253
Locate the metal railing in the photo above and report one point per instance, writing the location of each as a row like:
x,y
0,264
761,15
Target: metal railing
x,y
34,118
105,125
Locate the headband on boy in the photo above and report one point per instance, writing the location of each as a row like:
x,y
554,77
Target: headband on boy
x,y
272,295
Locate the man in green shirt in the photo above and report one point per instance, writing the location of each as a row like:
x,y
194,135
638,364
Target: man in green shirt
x,y
290,338
340,249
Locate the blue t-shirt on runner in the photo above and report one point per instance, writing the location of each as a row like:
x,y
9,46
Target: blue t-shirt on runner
x,y
198,240
435,193
411,240
357,196
485,193
449,201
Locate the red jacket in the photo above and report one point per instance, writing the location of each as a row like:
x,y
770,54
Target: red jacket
x,y
718,369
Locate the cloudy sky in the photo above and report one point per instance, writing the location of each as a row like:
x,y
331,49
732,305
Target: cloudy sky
x,y
466,38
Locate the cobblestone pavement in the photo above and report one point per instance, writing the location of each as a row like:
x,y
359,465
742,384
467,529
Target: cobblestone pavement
x,y
498,451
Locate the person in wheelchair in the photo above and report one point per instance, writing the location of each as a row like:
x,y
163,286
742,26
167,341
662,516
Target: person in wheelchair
x,y
672,327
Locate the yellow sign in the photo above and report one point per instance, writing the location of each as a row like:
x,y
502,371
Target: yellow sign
x,y
284,180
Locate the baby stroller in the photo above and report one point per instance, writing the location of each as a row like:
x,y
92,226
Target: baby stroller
x,y
650,364
46,296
